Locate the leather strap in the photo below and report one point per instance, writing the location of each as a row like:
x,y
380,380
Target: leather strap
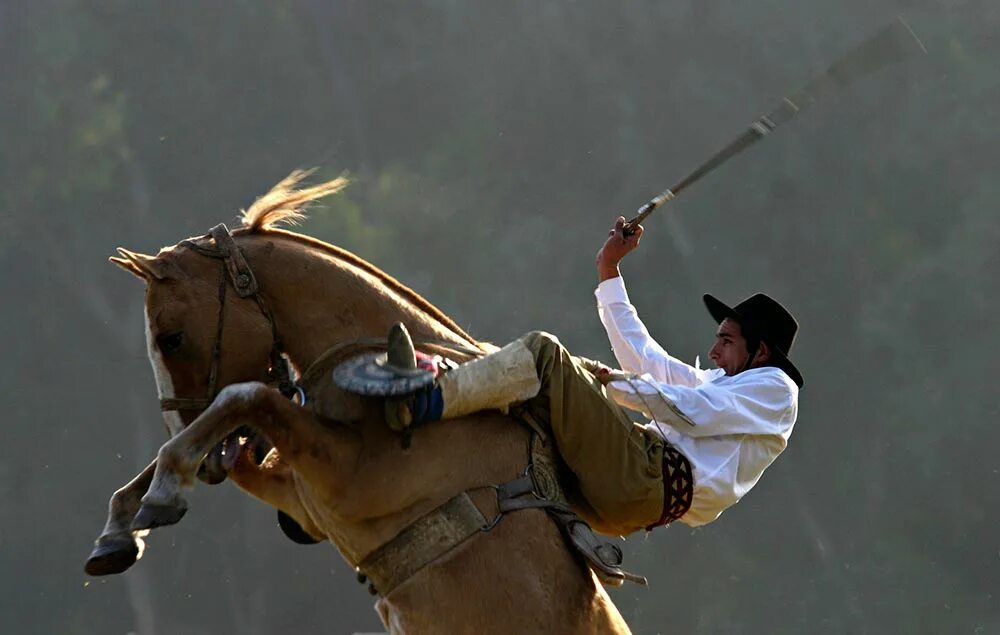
x,y
240,273
514,495
175,403
518,487
430,537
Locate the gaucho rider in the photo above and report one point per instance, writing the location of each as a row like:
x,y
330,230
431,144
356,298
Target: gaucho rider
x,y
712,434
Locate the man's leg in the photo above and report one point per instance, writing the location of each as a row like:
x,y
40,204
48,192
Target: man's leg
x,y
618,464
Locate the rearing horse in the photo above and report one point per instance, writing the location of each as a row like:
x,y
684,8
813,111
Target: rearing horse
x,y
335,467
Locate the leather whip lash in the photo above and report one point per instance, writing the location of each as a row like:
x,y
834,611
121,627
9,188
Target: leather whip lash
x,y
890,45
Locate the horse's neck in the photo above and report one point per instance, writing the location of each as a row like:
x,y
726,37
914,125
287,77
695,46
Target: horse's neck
x,y
320,300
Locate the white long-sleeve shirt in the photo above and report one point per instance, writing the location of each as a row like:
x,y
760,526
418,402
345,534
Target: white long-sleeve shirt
x,y
731,428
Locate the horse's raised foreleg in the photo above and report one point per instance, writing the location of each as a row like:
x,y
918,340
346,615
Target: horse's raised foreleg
x,y
118,546
253,404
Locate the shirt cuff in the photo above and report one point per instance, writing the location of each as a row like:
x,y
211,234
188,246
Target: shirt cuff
x,y
611,291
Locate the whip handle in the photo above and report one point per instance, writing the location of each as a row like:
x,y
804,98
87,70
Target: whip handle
x,y
646,210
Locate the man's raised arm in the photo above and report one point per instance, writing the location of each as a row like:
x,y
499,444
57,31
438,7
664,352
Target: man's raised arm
x,y
635,349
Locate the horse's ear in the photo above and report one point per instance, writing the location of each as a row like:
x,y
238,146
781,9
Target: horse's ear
x,y
147,267
127,266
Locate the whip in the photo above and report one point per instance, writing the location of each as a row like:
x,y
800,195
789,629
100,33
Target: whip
x,y
890,45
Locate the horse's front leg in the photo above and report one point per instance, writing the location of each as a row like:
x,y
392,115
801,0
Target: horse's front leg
x,y
118,546
253,404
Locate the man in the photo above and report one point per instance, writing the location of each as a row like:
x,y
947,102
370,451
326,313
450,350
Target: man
x,y
712,434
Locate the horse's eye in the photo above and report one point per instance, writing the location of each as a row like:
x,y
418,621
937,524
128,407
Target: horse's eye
x,y
169,342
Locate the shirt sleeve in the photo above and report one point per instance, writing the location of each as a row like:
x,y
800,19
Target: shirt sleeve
x,y
637,352
765,403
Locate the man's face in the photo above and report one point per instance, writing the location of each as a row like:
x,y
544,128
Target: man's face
x,y
730,349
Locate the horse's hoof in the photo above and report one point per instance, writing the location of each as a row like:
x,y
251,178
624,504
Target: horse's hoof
x,y
152,515
112,555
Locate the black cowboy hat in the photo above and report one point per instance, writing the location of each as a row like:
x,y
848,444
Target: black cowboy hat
x,y
762,318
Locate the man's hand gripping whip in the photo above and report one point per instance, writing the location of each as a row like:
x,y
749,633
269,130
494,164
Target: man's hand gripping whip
x,y
886,47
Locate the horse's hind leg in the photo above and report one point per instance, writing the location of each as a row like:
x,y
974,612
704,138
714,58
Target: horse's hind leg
x,y
117,548
253,404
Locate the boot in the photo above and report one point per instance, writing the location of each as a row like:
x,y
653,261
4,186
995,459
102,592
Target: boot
x,y
493,382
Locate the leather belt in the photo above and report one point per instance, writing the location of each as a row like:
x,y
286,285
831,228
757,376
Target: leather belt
x,y
678,486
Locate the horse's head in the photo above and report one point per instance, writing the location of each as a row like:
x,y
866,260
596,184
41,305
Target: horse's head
x,y
207,325
200,334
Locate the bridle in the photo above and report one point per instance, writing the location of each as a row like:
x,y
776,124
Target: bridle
x,y
236,268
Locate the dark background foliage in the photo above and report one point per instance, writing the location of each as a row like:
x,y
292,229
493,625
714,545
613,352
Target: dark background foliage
x,y
491,144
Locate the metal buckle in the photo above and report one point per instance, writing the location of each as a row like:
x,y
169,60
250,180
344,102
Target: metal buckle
x,y
496,519
301,394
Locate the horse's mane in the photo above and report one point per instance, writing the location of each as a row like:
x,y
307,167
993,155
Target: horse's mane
x,y
286,204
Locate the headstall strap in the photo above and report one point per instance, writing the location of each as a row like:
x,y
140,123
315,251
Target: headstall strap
x,y
239,270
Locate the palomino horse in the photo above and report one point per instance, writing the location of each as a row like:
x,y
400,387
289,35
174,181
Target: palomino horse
x,y
335,467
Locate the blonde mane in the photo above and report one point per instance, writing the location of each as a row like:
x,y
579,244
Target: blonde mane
x,y
286,204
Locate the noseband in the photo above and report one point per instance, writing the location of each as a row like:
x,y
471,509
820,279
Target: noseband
x,y
236,268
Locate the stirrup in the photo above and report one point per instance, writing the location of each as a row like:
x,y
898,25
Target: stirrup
x,y
603,556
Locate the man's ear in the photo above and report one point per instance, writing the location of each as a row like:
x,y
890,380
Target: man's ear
x,y
147,267
763,354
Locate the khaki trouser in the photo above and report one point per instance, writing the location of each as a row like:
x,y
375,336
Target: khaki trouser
x,y
618,463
